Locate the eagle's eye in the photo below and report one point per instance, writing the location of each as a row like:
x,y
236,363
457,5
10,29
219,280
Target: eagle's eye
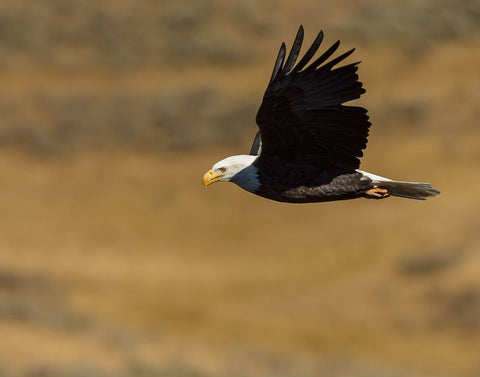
x,y
222,169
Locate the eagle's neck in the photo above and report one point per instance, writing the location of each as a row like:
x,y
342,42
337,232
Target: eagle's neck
x,y
247,178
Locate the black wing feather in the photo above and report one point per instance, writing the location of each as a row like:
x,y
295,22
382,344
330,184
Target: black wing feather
x,y
338,59
324,56
293,55
278,64
309,54
256,148
303,111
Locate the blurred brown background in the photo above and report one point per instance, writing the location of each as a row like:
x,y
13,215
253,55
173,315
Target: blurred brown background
x,y
115,261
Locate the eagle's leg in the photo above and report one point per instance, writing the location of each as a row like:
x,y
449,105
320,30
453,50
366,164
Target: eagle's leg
x,y
377,193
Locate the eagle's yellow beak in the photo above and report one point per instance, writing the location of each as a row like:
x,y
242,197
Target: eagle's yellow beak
x,y
211,176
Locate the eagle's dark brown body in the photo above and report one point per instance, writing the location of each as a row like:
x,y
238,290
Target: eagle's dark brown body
x,y
285,181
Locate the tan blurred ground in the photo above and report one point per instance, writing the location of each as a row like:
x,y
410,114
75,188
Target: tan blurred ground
x,y
115,261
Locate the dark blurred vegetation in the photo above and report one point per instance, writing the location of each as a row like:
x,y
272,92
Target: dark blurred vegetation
x,y
75,65
115,262
86,74
418,23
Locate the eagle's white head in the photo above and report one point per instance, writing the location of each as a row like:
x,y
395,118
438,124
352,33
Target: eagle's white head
x,y
236,169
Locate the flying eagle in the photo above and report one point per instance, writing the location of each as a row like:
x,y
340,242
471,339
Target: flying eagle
x,y
309,143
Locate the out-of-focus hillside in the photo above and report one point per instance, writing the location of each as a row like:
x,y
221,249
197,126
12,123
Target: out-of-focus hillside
x,y
114,261
88,74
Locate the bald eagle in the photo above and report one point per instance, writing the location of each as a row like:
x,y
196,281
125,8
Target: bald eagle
x,y
308,145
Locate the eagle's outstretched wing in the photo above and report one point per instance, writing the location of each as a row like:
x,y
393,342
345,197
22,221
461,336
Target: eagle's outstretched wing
x,y
302,112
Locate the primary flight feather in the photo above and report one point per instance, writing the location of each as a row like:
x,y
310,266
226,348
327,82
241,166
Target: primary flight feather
x,y
309,143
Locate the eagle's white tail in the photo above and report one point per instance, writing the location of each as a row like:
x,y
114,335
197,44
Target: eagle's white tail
x,y
411,190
